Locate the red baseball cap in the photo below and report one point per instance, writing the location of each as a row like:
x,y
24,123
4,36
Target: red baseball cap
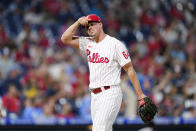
x,y
94,18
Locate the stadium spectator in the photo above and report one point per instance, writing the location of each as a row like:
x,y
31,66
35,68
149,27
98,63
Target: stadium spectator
x,y
11,102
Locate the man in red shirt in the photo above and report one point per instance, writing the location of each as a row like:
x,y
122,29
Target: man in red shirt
x,y
10,101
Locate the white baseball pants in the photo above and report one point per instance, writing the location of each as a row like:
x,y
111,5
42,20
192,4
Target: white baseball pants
x,y
105,107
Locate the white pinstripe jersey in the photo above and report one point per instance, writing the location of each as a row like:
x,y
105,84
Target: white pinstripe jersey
x,y
105,60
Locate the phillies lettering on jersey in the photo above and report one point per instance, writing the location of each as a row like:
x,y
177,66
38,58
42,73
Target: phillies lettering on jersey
x,y
95,58
105,60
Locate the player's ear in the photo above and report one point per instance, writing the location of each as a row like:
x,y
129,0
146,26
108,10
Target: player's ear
x,y
101,25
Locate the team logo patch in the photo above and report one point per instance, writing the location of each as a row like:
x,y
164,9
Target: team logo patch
x,y
126,54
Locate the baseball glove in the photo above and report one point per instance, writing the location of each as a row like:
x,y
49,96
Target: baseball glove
x,y
147,109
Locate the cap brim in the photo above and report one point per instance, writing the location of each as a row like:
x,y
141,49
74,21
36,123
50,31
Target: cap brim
x,y
93,21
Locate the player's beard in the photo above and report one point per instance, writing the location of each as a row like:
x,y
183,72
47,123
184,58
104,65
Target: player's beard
x,y
93,33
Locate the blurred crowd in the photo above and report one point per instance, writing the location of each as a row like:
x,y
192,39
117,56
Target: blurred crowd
x,y
41,77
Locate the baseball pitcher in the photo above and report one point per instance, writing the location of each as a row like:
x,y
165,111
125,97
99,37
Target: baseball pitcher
x,y
106,56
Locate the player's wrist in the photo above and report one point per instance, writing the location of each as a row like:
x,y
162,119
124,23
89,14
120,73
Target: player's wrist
x,y
141,96
78,22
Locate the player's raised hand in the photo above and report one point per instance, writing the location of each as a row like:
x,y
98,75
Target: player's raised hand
x,y
83,21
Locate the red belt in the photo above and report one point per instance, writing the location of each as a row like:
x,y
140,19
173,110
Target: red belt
x,y
98,90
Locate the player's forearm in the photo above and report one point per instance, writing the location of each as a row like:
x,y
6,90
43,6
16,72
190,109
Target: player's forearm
x,y
134,79
69,33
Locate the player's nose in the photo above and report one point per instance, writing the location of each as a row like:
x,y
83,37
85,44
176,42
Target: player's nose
x,y
90,27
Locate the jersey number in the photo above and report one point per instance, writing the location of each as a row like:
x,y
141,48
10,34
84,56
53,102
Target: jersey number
x,y
125,54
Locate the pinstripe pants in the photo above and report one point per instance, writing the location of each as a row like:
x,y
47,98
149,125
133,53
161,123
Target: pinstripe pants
x,y
105,107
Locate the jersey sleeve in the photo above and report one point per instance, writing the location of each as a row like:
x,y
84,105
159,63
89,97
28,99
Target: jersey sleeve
x,y
122,54
83,42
